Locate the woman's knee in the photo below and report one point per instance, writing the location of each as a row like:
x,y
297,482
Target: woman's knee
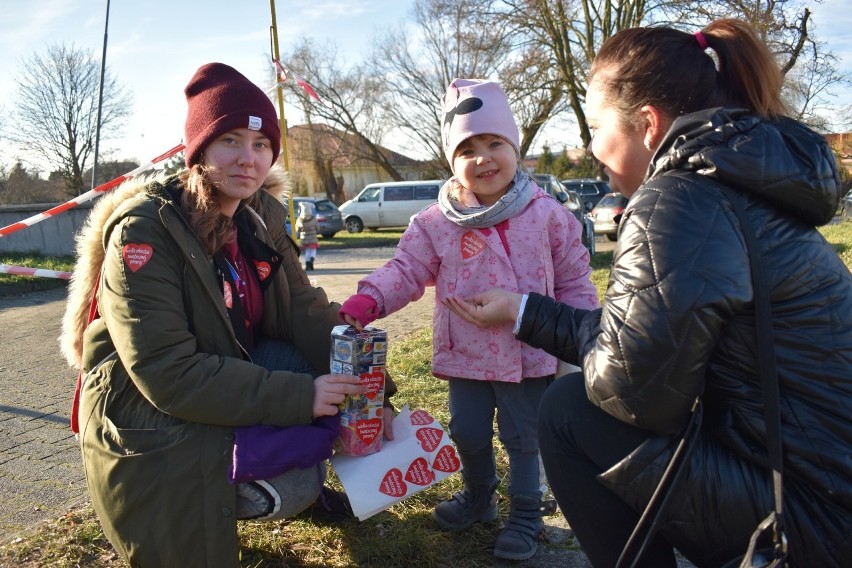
x,y
566,396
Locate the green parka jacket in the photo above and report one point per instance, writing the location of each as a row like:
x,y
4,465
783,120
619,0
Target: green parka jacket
x,y
166,380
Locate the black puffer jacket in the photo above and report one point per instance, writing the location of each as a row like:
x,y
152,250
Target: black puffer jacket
x,y
677,323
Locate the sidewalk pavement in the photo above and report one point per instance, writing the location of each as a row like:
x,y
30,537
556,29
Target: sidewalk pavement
x,y
41,473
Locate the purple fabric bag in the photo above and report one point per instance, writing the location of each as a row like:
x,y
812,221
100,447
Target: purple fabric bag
x,y
263,452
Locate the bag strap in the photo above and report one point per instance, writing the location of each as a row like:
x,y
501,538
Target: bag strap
x,y
768,369
75,402
646,528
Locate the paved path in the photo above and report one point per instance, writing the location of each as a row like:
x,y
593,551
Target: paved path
x,y
41,473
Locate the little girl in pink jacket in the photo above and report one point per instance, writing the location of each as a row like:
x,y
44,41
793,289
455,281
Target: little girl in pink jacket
x,y
491,227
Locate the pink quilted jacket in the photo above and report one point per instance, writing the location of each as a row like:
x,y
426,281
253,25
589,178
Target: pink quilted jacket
x,y
536,251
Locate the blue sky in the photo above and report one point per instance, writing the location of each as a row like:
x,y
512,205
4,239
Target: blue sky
x,y
154,47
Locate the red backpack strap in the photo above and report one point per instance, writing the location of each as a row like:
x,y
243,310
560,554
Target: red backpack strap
x,y
93,315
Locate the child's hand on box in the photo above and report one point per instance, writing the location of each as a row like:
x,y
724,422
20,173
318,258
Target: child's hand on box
x,y
359,310
330,390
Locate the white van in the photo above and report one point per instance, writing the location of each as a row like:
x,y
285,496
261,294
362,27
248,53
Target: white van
x,y
388,204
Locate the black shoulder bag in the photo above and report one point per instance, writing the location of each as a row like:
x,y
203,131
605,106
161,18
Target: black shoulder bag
x,y
767,547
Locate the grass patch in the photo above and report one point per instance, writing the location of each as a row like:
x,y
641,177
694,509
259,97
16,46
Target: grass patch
x,y
366,238
839,236
12,285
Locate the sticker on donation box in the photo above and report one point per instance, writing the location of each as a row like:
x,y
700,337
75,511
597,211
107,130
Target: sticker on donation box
x,y
420,455
361,353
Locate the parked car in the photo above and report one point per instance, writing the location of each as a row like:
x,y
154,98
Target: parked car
x,y
551,186
577,206
607,214
846,207
389,204
591,190
573,202
329,219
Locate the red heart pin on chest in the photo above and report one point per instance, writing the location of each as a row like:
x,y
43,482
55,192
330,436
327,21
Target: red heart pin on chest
x,y
471,245
263,269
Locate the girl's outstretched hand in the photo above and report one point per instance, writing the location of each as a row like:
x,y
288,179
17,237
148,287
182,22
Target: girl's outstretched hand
x,y
359,310
330,390
492,308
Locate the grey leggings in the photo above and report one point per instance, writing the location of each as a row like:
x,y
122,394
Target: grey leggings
x,y
472,407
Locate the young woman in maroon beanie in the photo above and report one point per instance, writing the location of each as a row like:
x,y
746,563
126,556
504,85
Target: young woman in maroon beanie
x,y
208,344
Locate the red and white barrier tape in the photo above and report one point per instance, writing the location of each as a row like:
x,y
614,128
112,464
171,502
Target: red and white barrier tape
x,y
37,272
281,71
89,195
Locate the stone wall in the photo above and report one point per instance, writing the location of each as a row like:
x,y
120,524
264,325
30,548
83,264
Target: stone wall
x,y
53,236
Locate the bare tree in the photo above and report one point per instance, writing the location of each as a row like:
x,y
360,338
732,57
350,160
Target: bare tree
x,y
570,32
448,39
57,109
535,92
809,66
350,102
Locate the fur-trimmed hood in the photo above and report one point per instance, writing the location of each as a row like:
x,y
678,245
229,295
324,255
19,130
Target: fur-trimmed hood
x,y
90,255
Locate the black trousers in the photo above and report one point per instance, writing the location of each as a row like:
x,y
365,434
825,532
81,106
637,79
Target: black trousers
x,y
579,441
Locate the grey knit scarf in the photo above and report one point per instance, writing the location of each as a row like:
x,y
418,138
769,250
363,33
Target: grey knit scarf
x,y
480,217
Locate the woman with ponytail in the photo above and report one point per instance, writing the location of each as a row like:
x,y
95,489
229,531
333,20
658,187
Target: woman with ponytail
x,y
686,126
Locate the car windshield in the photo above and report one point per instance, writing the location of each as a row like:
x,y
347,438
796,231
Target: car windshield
x,y
612,200
324,205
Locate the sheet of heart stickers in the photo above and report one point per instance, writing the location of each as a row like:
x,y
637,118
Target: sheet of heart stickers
x,y
420,455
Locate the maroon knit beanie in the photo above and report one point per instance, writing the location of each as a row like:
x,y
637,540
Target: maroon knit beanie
x,y
220,99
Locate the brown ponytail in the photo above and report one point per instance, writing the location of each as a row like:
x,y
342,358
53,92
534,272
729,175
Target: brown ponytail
x,y
670,69
747,66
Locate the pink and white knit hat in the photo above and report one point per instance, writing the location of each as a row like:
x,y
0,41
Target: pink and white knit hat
x,y
474,106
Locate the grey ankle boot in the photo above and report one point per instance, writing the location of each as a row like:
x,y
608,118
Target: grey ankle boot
x,y
473,504
524,528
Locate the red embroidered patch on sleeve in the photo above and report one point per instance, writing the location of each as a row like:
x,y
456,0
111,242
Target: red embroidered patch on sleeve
x,y
136,255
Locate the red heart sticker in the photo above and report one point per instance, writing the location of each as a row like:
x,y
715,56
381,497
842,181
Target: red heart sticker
x,y
447,460
392,484
471,244
421,418
368,430
263,269
430,438
136,255
374,382
419,473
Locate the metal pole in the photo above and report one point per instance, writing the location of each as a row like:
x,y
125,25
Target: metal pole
x,y
100,101
282,122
